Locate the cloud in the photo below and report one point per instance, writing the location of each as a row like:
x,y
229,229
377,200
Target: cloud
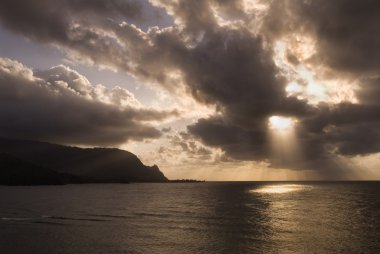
x,y
238,143
179,149
324,132
60,105
223,53
345,34
51,20
345,31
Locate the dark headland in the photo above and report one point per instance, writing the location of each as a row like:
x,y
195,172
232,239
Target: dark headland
x,y
40,163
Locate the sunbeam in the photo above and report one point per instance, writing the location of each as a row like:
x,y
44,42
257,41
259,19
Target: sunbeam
x,y
283,142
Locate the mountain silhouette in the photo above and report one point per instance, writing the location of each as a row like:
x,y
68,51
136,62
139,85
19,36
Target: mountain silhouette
x,y
14,171
79,164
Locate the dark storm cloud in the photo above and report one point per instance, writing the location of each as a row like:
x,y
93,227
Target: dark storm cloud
x,y
351,129
236,142
109,8
232,68
227,66
60,105
50,20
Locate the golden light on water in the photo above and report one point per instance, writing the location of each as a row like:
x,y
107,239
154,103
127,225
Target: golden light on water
x,y
279,189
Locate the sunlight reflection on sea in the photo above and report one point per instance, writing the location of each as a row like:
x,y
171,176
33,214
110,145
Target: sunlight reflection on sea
x,y
281,188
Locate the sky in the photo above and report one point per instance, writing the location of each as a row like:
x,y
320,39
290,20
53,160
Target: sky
x,y
214,90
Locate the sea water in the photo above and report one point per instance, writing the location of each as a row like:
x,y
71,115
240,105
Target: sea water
x,y
220,217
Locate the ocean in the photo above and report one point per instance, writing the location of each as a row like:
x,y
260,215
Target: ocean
x,y
210,217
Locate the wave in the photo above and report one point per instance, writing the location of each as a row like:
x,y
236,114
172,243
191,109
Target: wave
x,y
109,216
73,218
46,219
